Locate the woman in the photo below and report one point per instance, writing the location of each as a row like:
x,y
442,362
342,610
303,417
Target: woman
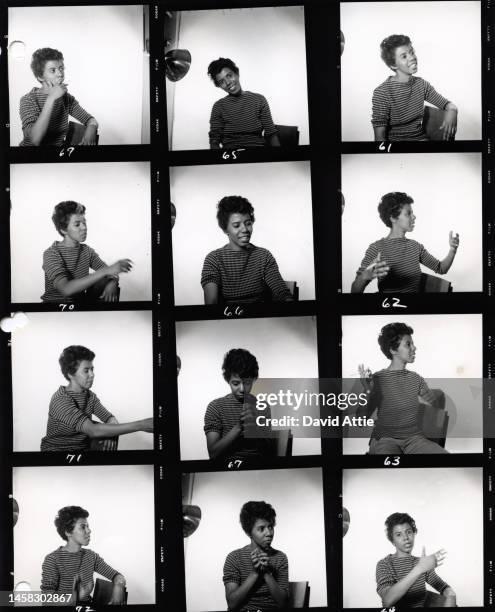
x,y
70,568
240,272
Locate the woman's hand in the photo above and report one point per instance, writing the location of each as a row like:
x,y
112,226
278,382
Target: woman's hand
x,y
110,292
122,265
453,240
449,125
89,137
366,376
427,563
55,91
147,425
82,591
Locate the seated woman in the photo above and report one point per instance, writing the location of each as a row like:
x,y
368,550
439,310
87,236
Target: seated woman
x,y
70,427
241,118
239,272
401,577
256,577
70,568
395,392
395,260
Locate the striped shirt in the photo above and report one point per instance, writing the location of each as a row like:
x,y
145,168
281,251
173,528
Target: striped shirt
x,y
223,414
67,414
403,256
241,121
238,566
391,569
249,275
60,567
400,107
60,261
395,393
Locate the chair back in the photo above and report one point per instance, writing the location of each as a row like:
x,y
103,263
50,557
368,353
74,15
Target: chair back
x,y
288,135
434,284
432,120
434,420
434,600
294,289
283,442
103,592
299,594
75,133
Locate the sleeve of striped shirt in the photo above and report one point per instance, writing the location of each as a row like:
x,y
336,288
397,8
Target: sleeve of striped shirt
x,y
212,419
54,266
274,280
65,410
433,97
77,111
104,569
211,271
99,410
49,575
216,124
266,118
95,263
428,260
434,580
384,577
380,112
231,571
29,111
283,573
369,256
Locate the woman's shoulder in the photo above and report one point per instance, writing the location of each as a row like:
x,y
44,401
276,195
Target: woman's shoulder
x,y
385,562
32,94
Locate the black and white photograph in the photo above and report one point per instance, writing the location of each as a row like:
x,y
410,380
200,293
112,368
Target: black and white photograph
x,y
70,368
406,89
423,376
242,233
233,82
73,533
85,241
414,538
412,225
228,356
79,75
231,521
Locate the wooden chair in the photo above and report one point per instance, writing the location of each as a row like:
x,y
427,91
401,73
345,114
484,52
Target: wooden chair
x,y
288,135
432,120
283,441
299,594
434,419
103,592
75,134
294,289
433,284
434,600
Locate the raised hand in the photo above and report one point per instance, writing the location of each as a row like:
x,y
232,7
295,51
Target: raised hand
x,y
147,425
366,376
55,91
378,268
453,240
429,562
120,266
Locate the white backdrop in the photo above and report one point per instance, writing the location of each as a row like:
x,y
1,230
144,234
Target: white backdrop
x,y
122,342
103,55
297,498
448,346
117,200
447,505
446,189
285,347
114,496
281,196
266,44
365,25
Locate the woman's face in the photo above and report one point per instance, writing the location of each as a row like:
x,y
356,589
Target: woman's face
x,y
81,533
403,538
228,80
239,229
262,533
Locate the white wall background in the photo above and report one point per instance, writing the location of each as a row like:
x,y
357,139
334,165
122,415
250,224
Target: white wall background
x,y
103,55
281,196
446,189
122,342
268,46
120,502
366,25
297,497
447,505
448,347
285,347
117,200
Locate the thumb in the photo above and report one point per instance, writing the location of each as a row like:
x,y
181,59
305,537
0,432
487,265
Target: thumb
x,y
451,233
423,552
378,257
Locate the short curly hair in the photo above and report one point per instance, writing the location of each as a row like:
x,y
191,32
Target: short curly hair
x,y
63,211
391,335
398,518
216,66
254,510
41,56
230,205
391,205
67,518
390,44
240,362
71,357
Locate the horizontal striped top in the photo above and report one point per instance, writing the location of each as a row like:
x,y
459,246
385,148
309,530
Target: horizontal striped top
x,y
223,414
238,566
391,569
60,567
249,275
66,416
60,261
403,255
30,109
241,121
395,393
400,107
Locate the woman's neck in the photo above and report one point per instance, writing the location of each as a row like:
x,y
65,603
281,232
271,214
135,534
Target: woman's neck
x,y
72,547
69,242
400,77
396,365
396,232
